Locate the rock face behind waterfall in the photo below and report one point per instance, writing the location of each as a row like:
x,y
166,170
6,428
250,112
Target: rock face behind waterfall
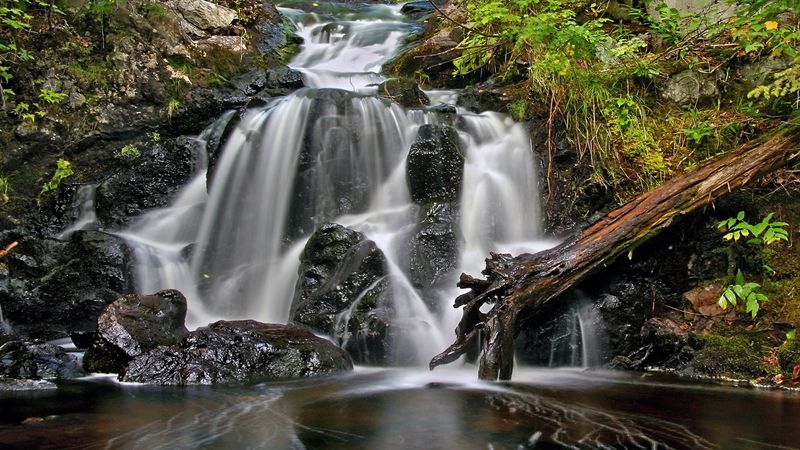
x,y
342,290
239,352
134,324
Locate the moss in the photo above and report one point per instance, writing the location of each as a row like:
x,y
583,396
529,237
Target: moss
x,y
789,354
727,356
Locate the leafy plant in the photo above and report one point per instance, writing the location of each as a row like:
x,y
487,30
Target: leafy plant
x,y
155,136
765,232
129,151
744,291
52,97
172,106
63,170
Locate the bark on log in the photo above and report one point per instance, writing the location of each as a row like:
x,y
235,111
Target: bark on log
x,y
525,283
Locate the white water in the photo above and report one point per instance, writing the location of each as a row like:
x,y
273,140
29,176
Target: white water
x,y
234,252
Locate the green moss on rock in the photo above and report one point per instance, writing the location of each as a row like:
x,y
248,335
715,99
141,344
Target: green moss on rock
x,y
727,356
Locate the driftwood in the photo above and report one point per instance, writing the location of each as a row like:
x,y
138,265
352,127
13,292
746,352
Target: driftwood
x,y
523,284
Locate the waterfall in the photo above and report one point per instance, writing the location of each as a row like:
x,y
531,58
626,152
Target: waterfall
x,y
333,152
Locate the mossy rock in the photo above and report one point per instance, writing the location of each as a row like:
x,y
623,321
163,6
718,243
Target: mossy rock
x,y
789,355
727,356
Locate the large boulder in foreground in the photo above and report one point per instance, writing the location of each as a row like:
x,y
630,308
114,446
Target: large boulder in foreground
x,y
133,325
343,291
239,352
435,165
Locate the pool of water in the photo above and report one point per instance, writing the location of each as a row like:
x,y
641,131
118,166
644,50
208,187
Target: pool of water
x,y
408,409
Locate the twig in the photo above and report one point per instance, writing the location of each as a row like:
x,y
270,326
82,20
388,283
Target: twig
x,y
8,248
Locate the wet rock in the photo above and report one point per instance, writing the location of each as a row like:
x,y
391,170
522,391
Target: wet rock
x,y
55,288
690,87
134,324
435,165
239,352
342,291
34,361
435,51
204,15
434,248
158,174
418,9
404,92
13,384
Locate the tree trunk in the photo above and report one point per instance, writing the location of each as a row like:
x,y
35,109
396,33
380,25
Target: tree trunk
x,y
523,284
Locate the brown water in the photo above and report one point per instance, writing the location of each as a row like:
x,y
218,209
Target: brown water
x,y
408,409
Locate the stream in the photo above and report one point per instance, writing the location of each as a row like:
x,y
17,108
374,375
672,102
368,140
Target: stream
x,y
245,235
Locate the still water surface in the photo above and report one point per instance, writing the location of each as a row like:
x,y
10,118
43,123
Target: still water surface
x,y
408,409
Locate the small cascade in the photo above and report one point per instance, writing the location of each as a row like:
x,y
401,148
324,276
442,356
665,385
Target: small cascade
x,y
570,338
84,207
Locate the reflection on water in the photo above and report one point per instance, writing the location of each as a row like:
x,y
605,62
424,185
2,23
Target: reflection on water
x,y
407,409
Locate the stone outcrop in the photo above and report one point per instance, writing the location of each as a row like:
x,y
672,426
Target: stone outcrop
x,y
343,291
133,325
239,352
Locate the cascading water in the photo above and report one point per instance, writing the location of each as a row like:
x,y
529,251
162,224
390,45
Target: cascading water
x,y
333,153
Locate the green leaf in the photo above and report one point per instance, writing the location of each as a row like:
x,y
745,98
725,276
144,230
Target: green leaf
x,y
740,215
739,277
791,334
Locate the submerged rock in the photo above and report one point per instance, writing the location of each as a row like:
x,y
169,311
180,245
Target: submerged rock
x,y
34,361
342,291
133,325
435,165
239,352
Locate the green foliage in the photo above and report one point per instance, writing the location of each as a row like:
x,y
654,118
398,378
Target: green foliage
x,y
791,335
765,232
52,97
63,170
129,151
744,291
155,136
786,82
172,106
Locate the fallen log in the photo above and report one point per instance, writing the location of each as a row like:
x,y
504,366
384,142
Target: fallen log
x,y
525,283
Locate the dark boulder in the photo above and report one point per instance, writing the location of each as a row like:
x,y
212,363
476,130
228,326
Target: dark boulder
x,y
53,288
239,352
404,92
342,291
133,325
34,361
433,253
418,9
435,165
